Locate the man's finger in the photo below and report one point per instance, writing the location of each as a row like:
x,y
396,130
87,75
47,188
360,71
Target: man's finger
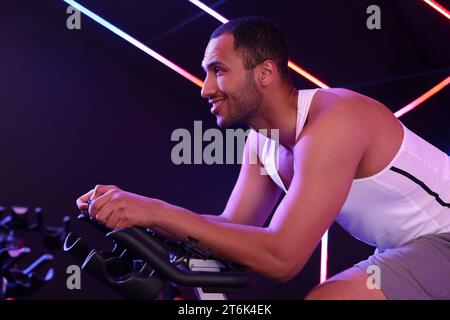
x,y
82,201
97,204
112,220
100,190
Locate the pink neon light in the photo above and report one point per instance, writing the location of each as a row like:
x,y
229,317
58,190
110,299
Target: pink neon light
x,y
438,8
423,97
307,75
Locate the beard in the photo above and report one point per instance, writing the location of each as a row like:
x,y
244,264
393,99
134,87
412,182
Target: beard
x,y
245,104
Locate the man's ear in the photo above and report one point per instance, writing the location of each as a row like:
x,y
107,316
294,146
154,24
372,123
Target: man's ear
x,y
267,72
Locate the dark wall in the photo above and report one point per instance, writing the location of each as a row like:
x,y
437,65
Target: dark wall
x,y
80,108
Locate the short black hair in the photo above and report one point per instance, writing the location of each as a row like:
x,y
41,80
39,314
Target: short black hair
x,y
257,39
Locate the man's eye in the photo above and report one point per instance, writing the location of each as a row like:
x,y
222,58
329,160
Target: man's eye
x,y
217,71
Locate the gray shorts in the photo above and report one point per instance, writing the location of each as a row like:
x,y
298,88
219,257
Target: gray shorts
x,y
419,269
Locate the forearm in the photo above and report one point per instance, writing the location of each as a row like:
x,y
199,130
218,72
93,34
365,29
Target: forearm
x,y
214,218
253,247
171,236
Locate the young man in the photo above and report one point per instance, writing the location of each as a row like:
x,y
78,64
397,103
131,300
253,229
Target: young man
x,y
342,156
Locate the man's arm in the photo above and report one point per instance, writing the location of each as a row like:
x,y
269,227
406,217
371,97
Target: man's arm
x,y
326,159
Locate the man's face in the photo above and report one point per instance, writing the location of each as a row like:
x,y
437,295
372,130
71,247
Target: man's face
x,y
231,90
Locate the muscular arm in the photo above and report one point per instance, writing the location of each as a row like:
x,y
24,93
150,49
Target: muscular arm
x,y
326,159
208,217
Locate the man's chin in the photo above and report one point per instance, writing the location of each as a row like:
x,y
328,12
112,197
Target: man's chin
x,y
224,123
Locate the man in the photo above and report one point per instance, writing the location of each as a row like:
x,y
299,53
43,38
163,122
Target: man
x,y
342,156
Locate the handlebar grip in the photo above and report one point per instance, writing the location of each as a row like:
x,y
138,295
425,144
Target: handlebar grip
x,y
151,250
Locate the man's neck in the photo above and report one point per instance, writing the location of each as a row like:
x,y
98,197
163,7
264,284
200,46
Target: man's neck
x,y
279,111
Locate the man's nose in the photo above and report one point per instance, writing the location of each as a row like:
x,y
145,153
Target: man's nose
x,y
209,88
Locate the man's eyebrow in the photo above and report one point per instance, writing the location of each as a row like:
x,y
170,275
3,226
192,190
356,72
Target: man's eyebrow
x,y
212,64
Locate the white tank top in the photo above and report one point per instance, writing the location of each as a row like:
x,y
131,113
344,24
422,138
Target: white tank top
x,y
409,198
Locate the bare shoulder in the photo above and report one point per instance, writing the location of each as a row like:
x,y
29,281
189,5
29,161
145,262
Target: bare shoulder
x,y
337,117
357,120
332,97
342,93
362,105
340,105
356,108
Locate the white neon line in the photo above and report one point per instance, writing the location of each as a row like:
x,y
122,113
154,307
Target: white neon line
x,y
324,257
135,42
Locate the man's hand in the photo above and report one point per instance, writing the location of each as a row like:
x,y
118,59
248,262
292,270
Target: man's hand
x,y
118,209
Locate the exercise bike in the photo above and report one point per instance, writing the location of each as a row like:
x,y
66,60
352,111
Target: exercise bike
x,y
141,262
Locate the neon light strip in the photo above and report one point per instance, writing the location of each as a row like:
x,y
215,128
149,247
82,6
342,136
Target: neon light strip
x,y
438,8
423,97
135,42
209,11
324,257
307,75
291,65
